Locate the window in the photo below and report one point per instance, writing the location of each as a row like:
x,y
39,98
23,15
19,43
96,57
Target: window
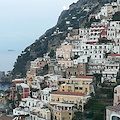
x,y
115,118
81,65
69,113
69,88
81,72
57,99
76,88
80,88
86,90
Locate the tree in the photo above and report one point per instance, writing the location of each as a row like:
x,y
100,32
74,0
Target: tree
x,y
52,53
18,96
78,116
116,16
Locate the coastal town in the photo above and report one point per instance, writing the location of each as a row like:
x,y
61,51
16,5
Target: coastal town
x,y
63,81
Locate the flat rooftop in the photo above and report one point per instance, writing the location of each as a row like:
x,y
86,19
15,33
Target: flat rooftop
x,y
114,108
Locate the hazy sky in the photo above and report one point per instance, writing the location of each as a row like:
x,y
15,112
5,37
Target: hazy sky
x,y
23,21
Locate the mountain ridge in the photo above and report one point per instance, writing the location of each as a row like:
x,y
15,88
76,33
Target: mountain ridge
x,y
55,35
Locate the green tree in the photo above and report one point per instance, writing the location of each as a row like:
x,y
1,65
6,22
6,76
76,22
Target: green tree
x,y
18,96
52,53
116,16
78,116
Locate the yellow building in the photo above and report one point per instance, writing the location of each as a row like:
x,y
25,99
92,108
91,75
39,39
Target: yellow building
x,y
37,113
62,111
69,98
81,84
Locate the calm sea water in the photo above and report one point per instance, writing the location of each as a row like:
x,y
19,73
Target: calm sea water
x,y
7,59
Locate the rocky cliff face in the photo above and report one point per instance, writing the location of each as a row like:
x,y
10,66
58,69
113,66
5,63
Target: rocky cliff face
x,y
52,38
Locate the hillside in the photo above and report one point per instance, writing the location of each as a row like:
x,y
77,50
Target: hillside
x,y
76,15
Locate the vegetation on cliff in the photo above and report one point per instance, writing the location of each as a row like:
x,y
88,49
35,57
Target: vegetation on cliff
x,y
76,15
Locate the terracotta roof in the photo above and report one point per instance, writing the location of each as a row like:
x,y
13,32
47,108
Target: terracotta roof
x,y
114,55
68,93
6,118
88,77
116,108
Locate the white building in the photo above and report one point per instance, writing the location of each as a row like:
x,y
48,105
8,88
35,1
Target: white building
x,y
108,10
113,112
81,59
113,32
25,105
95,51
45,94
51,80
110,72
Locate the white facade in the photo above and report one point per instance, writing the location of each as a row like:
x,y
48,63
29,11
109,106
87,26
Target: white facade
x,y
25,105
110,72
95,51
113,112
37,113
108,10
113,31
81,59
45,94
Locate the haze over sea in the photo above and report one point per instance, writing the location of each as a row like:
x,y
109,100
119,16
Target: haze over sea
x,y
24,21
7,59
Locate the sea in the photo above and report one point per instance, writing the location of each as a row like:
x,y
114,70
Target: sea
x,y
7,60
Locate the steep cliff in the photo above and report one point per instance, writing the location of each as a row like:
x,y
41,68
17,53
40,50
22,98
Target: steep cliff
x,y
76,15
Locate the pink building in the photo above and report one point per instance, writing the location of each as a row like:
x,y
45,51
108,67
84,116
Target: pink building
x,y
65,63
65,51
116,96
23,90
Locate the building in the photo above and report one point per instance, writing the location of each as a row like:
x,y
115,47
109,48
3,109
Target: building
x,y
45,94
108,10
23,90
116,96
37,113
58,97
63,111
65,63
25,106
113,32
80,84
97,30
64,52
36,88
80,69
51,80
113,112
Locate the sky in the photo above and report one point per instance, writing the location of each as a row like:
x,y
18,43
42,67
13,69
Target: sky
x,y
24,21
